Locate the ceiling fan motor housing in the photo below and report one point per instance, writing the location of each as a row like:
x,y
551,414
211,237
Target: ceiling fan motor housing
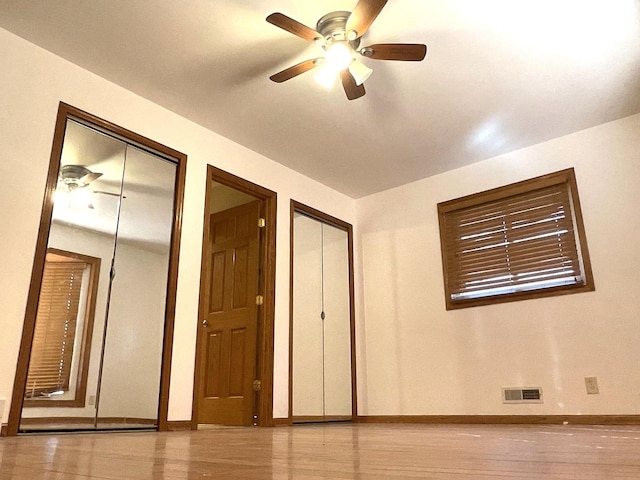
x,y
332,27
76,176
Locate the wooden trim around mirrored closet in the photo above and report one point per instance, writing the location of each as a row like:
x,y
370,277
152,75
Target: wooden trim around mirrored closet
x,y
37,269
66,111
296,206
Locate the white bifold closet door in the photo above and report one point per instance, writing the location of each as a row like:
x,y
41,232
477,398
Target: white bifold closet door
x,y
321,322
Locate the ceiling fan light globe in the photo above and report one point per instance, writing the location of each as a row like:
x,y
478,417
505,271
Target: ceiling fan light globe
x,y
359,71
339,56
326,76
81,197
60,197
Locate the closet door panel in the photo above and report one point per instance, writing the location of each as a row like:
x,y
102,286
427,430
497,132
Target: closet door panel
x,y
308,394
337,324
83,222
135,325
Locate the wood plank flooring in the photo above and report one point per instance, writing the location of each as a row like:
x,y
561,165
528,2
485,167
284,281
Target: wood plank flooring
x,y
338,451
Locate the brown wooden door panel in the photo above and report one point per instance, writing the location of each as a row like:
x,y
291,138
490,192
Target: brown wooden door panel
x,y
213,357
217,282
239,283
236,362
228,331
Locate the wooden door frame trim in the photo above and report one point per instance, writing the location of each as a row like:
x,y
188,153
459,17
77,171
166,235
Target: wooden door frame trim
x,y
266,315
66,111
299,207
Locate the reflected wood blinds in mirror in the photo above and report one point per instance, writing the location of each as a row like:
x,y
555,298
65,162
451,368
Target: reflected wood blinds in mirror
x,y
95,352
322,324
58,368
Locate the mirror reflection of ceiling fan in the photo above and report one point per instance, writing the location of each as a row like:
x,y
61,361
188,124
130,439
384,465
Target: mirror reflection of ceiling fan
x,y
72,179
339,34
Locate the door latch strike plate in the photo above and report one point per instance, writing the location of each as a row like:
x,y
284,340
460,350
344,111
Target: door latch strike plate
x,y
259,299
262,223
257,385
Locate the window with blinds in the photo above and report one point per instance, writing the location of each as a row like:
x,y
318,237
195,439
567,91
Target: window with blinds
x,y
523,240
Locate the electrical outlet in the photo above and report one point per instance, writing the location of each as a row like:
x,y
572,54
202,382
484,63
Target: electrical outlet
x,y
592,385
92,399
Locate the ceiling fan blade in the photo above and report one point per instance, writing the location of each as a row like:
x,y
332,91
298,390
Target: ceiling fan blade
x,y
293,26
102,192
363,15
289,73
412,52
90,177
351,88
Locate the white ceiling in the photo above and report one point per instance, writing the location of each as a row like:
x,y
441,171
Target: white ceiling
x,y
499,75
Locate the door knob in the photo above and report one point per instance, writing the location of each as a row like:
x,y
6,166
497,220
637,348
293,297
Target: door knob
x,y
205,323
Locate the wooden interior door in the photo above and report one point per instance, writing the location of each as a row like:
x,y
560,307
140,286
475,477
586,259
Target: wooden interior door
x,y
228,325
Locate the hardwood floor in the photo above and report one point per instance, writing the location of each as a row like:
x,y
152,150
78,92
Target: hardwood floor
x,y
344,451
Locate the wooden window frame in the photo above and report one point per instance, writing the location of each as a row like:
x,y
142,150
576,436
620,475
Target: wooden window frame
x,y
561,180
80,391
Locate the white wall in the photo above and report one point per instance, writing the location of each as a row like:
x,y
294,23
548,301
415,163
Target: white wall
x,y
416,358
32,83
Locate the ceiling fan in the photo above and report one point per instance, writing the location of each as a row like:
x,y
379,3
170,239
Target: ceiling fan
x,y
72,181
72,177
339,33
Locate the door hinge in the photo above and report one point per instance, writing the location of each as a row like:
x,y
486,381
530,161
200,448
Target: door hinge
x,y
262,223
259,299
257,385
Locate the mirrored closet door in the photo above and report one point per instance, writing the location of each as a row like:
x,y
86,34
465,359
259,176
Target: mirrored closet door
x,y
321,320
96,356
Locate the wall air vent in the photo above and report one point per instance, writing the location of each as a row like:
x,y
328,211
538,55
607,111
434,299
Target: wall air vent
x,y
522,395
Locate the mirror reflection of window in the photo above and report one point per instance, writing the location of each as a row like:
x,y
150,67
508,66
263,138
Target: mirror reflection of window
x,y
60,354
